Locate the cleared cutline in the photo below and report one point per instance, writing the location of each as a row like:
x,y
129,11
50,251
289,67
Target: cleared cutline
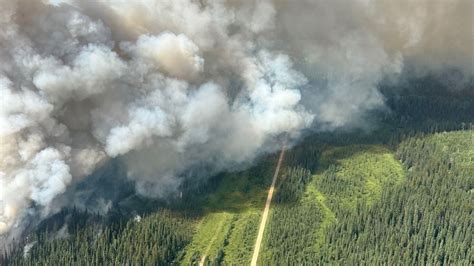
x,y
263,222
204,256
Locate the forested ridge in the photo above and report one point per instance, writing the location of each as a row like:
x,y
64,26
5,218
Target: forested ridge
x,y
399,194
155,239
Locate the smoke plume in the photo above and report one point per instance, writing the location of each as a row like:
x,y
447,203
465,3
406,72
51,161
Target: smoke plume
x,y
174,85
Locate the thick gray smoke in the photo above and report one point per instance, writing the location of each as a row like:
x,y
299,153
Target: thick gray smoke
x,y
174,85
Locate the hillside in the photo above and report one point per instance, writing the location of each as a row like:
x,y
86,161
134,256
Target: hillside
x,y
236,132
364,203
398,194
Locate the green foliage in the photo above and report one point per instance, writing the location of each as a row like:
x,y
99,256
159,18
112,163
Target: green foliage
x,y
290,235
209,238
228,228
240,191
292,185
426,220
398,194
355,175
154,240
361,207
305,208
242,238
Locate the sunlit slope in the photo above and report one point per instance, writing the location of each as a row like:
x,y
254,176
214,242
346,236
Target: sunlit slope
x,y
360,204
227,231
348,177
369,205
356,175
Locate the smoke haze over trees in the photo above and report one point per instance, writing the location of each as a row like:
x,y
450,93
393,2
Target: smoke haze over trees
x,y
183,89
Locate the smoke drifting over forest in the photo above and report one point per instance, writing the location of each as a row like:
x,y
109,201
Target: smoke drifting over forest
x,y
169,86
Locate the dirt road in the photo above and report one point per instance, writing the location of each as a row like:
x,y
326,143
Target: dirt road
x,y
263,222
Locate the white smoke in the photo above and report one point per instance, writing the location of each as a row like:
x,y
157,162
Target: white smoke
x,y
347,47
175,85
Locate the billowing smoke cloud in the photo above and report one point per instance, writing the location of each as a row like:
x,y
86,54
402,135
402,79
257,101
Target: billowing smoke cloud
x,y
347,47
174,85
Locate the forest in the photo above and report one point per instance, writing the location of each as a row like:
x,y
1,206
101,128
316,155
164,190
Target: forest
x,y
399,194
